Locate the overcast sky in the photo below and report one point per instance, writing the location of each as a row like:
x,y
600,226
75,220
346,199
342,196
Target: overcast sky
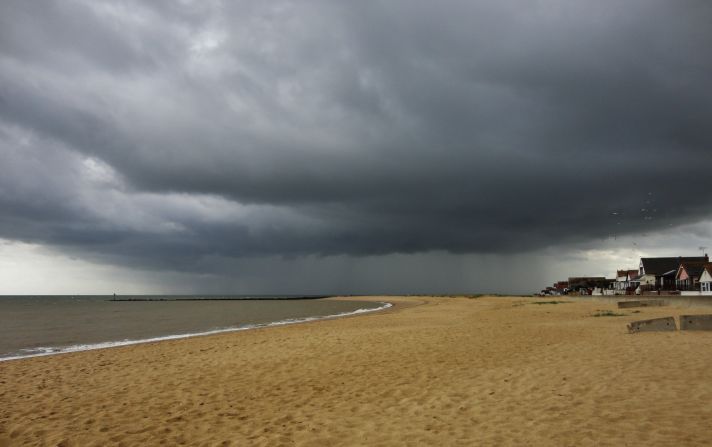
x,y
349,147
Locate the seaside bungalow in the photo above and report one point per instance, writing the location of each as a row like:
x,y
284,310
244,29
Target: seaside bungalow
x,y
584,285
623,282
706,280
633,280
604,287
688,275
561,286
633,284
660,273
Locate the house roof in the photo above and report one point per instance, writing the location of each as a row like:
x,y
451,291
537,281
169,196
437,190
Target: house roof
x,y
708,267
693,268
659,266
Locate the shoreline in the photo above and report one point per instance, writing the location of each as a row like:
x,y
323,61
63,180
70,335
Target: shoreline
x,y
59,350
452,371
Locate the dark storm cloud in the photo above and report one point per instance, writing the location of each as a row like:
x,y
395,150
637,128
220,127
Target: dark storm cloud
x,y
165,132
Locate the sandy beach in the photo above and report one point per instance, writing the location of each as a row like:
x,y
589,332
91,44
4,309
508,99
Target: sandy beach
x,y
429,371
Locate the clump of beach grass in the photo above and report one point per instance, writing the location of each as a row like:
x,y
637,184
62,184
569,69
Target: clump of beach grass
x,y
608,313
455,295
550,302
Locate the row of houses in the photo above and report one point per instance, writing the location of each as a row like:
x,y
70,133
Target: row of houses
x,y
661,276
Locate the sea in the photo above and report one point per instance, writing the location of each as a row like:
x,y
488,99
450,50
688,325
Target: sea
x,y
33,326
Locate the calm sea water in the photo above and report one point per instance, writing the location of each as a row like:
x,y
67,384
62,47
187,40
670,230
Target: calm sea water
x,y
42,325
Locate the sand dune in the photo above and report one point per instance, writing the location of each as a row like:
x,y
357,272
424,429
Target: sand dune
x,y
450,371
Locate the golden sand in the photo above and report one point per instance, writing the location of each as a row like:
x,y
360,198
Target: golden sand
x,y
450,371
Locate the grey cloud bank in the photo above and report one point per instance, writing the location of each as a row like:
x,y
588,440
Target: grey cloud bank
x,y
188,137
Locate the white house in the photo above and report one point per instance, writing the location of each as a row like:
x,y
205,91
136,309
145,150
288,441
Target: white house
x,y
706,280
624,280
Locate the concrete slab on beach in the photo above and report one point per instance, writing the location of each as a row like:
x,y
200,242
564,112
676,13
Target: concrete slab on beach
x,y
696,322
655,325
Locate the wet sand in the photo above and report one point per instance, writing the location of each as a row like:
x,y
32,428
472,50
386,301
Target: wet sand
x,y
431,371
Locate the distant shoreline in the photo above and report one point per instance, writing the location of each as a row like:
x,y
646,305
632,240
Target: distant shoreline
x,y
276,298
84,324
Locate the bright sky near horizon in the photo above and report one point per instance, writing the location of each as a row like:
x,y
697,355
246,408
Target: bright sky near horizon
x,y
349,147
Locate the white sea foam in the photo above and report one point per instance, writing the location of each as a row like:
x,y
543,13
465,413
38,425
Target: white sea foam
x,y
44,351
